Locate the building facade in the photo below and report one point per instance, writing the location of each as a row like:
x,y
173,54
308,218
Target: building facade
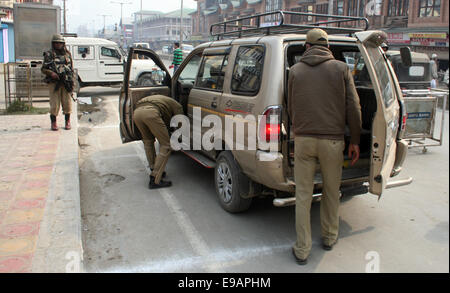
x,y
420,24
161,29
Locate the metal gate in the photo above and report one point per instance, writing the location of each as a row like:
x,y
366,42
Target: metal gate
x,y
24,81
422,108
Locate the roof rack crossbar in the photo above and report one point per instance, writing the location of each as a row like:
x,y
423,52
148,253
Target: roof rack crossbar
x,y
254,25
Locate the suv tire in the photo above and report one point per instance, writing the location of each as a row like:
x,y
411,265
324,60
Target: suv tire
x,y
146,80
231,184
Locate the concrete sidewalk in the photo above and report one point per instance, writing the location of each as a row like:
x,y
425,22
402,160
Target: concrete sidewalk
x,y
40,219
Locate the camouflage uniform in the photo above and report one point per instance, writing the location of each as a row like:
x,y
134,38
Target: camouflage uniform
x,y
59,62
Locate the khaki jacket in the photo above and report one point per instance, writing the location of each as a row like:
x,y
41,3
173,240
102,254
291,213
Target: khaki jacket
x,y
322,97
168,107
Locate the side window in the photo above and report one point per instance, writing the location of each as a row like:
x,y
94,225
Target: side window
x,y
355,62
109,52
212,72
381,70
84,53
190,71
247,71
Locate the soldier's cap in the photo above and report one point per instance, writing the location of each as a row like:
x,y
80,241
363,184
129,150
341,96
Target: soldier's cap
x,y
317,36
58,39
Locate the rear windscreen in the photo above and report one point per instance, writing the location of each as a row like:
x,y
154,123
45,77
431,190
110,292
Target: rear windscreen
x,y
416,73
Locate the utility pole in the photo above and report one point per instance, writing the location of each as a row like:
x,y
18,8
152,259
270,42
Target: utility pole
x,y
121,11
140,26
121,18
65,19
181,26
104,22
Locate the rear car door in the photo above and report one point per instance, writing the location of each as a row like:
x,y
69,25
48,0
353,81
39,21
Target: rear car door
x,y
110,64
208,88
386,120
130,92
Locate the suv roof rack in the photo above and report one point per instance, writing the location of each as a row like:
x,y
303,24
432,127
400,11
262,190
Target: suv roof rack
x,y
257,24
73,35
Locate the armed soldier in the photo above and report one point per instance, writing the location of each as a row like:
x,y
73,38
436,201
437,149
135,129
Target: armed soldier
x,y
58,68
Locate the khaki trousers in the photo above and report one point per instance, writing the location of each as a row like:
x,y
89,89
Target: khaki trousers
x,y
329,153
150,124
58,98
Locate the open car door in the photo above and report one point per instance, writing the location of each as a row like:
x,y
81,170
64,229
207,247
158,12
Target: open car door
x,y
386,121
130,92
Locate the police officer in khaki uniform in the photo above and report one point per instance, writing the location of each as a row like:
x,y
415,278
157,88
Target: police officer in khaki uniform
x,y
322,101
58,68
152,117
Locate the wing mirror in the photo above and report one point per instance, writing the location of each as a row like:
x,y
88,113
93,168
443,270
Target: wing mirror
x,y
405,53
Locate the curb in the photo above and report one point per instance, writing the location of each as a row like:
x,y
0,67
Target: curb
x,y
59,246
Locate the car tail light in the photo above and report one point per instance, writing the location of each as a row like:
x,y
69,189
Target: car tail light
x,y
268,130
404,118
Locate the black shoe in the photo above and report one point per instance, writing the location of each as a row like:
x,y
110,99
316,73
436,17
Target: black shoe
x,y
300,261
329,247
162,183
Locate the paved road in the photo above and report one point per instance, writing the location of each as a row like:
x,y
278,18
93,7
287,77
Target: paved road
x,y
128,228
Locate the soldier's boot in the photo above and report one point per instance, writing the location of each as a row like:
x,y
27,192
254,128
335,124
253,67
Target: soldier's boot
x,y
54,125
68,126
161,184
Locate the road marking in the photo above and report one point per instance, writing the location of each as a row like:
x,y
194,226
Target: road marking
x,y
205,258
195,239
221,259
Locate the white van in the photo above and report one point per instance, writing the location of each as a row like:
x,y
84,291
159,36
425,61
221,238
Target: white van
x,y
141,45
100,62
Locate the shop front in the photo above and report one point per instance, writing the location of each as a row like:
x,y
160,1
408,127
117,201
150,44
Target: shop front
x,y
436,42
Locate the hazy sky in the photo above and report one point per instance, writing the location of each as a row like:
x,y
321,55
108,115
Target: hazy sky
x,y
89,11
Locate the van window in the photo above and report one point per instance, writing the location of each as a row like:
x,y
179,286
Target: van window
x,y
247,71
84,53
212,72
109,52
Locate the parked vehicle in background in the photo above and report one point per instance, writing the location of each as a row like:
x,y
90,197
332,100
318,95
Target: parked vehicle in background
x,y
141,45
167,49
100,62
235,78
186,48
416,76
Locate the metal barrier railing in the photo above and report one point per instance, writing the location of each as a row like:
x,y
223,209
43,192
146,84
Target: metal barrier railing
x,y
23,82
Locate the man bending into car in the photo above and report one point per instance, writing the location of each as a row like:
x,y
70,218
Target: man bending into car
x,y
152,117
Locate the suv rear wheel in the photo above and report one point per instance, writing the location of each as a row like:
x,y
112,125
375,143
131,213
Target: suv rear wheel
x,y
231,184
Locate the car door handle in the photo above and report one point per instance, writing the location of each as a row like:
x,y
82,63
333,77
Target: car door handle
x,y
214,105
102,62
